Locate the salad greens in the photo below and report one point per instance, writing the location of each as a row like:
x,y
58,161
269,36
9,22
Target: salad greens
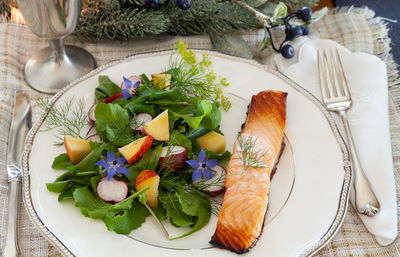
x,y
192,112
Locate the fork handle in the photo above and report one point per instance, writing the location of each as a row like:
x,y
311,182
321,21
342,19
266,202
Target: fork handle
x,y
11,248
365,198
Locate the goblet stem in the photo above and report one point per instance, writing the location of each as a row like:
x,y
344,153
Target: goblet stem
x,y
57,47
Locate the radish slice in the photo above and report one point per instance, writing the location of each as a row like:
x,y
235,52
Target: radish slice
x,y
133,79
214,185
112,191
172,158
89,132
139,121
91,115
95,138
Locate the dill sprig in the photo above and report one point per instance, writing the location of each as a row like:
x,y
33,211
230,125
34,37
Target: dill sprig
x,y
251,155
195,78
69,117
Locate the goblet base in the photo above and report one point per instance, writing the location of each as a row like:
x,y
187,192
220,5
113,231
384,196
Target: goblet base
x,y
48,71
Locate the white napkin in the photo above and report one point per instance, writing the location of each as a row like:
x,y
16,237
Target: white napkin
x,y
368,118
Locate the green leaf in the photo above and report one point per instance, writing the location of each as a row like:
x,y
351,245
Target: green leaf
x,y
123,222
177,138
280,11
174,210
212,120
204,109
149,161
203,217
105,89
113,123
94,181
61,162
88,163
195,133
68,194
60,186
160,213
220,157
91,205
189,200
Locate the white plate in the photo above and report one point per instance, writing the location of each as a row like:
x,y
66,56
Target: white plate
x,y
309,193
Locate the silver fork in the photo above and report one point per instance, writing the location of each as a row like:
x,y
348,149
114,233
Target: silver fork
x,y
336,97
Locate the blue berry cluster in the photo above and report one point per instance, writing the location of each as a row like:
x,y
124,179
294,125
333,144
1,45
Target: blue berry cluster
x,y
292,31
154,4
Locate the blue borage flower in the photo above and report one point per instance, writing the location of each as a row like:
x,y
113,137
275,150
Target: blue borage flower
x,y
113,166
129,89
202,167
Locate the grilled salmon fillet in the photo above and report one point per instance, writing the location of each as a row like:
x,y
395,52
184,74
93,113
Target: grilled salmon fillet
x,y
242,214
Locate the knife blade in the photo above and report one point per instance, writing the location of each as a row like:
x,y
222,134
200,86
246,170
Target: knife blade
x,y
20,126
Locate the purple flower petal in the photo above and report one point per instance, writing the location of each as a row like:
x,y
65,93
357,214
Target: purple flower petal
x,y
123,170
121,161
211,163
125,94
207,173
103,164
202,156
193,163
110,156
128,83
137,84
196,174
110,174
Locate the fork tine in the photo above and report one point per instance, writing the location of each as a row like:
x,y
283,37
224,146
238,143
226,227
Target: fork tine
x,y
328,75
321,77
336,85
342,76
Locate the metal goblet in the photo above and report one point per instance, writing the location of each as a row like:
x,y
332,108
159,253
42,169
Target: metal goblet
x,y
52,68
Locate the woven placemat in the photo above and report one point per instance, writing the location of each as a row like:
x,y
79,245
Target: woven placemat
x,y
356,29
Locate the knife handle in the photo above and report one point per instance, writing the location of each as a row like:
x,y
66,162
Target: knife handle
x,y
11,248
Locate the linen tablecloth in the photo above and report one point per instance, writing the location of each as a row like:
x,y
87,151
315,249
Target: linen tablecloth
x,y
355,28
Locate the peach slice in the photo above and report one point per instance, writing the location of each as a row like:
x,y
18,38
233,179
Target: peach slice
x,y
136,149
158,128
77,149
161,80
212,141
149,178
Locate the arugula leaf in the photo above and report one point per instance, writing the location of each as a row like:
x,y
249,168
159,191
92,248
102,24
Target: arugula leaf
x,y
204,109
91,206
88,163
177,138
60,186
61,162
203,217
67,194
212,120
174,209
105,89
189,201
123,222
113,124
220,157
195,133
160,213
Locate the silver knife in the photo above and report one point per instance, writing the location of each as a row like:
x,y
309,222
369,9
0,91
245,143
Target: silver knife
x,y
20,125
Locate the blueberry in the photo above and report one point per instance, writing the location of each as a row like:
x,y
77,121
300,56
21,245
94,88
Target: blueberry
x,y
184,4
287,51
152,4
293,31
305,14
306,30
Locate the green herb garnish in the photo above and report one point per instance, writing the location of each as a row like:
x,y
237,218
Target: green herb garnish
x,y
195,78
68,117
251,154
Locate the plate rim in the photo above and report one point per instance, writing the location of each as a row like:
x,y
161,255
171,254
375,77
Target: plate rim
x,y
308,251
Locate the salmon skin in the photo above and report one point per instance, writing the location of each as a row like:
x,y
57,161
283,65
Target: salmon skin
x,y
241,219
